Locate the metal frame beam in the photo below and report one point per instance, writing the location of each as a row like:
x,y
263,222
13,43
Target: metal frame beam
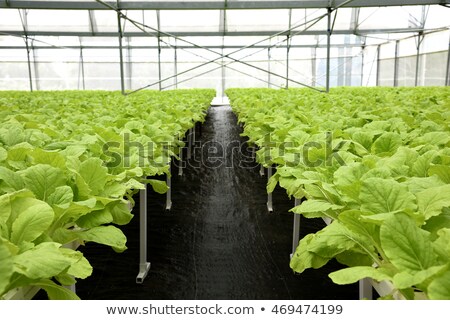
x,y
360,32
211,5
292,46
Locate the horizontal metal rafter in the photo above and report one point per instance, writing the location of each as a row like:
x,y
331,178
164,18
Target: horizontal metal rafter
x,y
211,33
210,5
184,47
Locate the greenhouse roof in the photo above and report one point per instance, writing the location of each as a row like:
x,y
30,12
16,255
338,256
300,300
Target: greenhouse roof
x,y
209,4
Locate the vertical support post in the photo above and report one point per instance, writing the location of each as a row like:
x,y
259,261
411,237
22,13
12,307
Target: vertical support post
x,y
269,195
328,50
365,289
122,77
378,66
313,66
268,68
144,266
288,47
223,75
447,75
175,65
35,66
159,51
287,62
169,192
296,229
419,42
129,65
82,68
362,65
30,77
397,45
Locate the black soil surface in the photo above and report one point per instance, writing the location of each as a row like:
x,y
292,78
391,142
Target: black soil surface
x,y
218,241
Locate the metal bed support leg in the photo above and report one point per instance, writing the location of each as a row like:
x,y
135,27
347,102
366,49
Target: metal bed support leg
x,y
189,144
365,289
295,229
144,266
269,195
180,163
169,192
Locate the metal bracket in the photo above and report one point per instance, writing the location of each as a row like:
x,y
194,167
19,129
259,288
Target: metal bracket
x,y
144,266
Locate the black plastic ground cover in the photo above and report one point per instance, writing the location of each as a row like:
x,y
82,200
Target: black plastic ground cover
x,y
218,241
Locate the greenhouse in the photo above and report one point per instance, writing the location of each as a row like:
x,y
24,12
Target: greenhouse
x,y
225,149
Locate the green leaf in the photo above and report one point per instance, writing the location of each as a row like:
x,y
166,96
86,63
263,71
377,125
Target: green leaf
x,y
442,244
121,213
314,208
405,279
433,200
332,240
43,179
94,174
304,259
442,171
407,246
61,197
422,165
158,185
80,266
354,274
41,262
56,292
10,181
6,267
416,185
272,183
3,154
109,235
439,288
52,158
95,218
387,143
32,222
385,195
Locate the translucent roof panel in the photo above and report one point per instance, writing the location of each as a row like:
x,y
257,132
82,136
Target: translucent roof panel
x,y
62,20
10,20
192,20
257,20
389,18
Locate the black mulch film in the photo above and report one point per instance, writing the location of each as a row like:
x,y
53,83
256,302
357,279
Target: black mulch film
x,y
218,241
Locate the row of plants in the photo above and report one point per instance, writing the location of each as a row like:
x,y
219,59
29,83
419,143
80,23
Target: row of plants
x,y
374,160
70,163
